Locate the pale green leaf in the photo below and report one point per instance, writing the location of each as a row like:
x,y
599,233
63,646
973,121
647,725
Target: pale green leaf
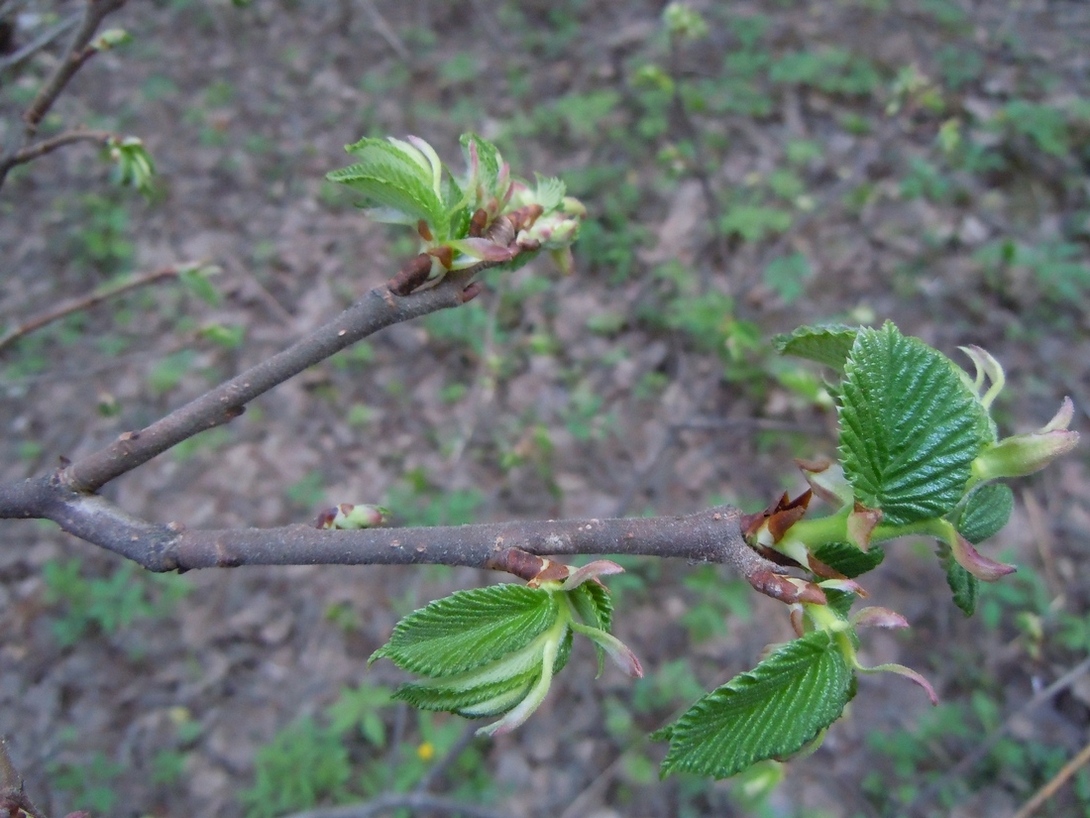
x,y
594,605
468,629
389,176
489,699
909,426
489,161
549,192
828,345
770,711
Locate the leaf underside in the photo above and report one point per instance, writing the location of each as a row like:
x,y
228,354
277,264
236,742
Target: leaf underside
x,y
773,710
909,426
828,345
502,695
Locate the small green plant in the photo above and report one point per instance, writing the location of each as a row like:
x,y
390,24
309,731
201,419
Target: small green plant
x,y
168,373
832,70
107,604
1057,269
910,767
308,491
101,239
418,501
714,601
304,764
346,753
89,785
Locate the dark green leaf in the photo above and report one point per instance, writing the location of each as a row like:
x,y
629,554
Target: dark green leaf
x,y
910,427
773,710
849,559
963,585
986,512
840,602
468,629
829,345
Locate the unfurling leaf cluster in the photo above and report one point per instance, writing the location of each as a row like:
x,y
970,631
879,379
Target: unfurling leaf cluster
x,y
483,216
494,651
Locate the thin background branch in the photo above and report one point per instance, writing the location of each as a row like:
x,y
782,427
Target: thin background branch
x,y
78,52
91,299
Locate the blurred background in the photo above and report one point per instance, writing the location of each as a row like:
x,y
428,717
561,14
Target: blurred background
x,y
748,167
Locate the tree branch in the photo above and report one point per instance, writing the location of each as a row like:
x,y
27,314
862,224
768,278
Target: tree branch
x,y
32,152
77,54
91,299
67,497
378,309
43,40
713,535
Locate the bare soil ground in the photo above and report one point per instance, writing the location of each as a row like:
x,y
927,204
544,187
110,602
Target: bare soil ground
x,y
554,397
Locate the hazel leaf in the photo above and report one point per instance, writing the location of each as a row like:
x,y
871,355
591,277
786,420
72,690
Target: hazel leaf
x,y
469,629
986,511
828,345
910,427
390,177
771,711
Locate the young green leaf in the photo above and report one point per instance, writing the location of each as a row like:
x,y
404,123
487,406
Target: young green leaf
x,y
773,710
910,427
486,699
963,585
483,160
593,604
468,629
391,176
986,512
549,192
829,345
849,559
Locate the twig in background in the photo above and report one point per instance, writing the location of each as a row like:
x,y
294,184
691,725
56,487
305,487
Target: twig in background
x,y
92,299
962,768
43,40
1057,781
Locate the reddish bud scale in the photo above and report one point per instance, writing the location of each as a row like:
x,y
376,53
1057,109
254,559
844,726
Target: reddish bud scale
x,y
477,223
551,570
502,231
786,589
524,217
412,275
522,564
822,570
444,254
